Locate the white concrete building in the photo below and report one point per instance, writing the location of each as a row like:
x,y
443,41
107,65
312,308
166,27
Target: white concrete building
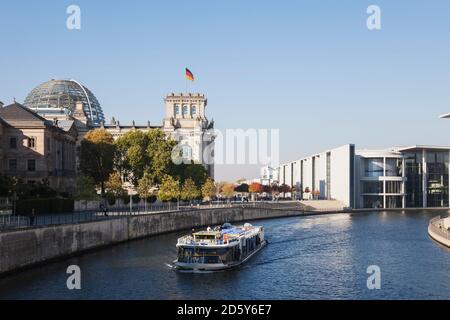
x,y
398,177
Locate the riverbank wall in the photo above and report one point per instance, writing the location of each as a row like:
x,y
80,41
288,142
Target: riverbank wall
x,y
438,230
31,246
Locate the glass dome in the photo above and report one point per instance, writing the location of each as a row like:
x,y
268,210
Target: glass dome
x,y
61,96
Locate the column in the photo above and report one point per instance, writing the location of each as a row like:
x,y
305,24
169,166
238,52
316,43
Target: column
x,y
424,178
403,183
384,182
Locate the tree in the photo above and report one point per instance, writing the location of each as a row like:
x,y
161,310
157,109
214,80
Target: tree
x,y
196,172
242,188
114,185
255,187
227,190
85,188
285,188
139,152
160,152
145,186
132,154
209,189
169,189
97,156
190,191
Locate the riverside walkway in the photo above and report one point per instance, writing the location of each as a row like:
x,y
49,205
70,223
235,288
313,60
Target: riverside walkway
x,y
12,222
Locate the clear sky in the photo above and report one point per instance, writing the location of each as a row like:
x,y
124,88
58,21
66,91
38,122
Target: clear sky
x,y
310,68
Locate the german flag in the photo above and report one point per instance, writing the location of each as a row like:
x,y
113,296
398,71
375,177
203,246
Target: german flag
x,y
189,75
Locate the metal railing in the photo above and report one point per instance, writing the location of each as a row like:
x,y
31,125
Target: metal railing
x,y
12,222
436,225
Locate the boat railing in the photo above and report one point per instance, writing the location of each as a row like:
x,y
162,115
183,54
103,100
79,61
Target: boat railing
x,y
436,225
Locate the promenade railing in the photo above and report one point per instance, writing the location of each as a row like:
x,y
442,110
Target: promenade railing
x,y
436,226
12,222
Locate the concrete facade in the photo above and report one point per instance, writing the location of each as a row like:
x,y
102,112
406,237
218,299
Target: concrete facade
x,y
34,148
397,177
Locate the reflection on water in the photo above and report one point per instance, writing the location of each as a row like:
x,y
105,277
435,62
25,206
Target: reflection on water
x,y
320,257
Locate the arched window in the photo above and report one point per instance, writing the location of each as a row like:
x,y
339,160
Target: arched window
x,y
185,110
176,109
194,110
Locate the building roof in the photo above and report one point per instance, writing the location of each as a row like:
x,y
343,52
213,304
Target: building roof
x,y
421,147
66,125
18,112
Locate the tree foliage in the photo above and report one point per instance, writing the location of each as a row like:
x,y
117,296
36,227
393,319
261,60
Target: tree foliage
x,y
145,186
227,190
169,189
255,187
209,189
114,185
97,156
189,190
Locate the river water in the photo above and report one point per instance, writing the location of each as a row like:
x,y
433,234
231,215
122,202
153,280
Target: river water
x,y
316,257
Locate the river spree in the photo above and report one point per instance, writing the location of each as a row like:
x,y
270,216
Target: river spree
x,y
318,257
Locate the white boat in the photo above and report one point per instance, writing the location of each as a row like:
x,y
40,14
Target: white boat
x,y
220,248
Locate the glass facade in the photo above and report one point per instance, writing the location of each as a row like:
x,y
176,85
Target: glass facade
x,y
394,167
61,96
373,201
414,174
373,167
372,186
437,178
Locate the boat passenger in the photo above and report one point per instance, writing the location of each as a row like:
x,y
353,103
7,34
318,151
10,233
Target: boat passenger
x,y
208,229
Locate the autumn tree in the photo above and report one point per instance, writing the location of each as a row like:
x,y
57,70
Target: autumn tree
x,y
209,189
227,190
169,189
97,156
255,187
114,185
189,191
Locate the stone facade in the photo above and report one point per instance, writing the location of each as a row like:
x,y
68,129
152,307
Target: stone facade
x,y
35,148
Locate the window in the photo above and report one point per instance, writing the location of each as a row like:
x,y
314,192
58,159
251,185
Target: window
x,y
393,187
31,165
394,167
13,143
194,110
176,109
372,186
373,167
12,164
31,142
185,110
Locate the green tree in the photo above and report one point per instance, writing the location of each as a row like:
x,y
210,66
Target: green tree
x,y
160,152
209,189
132,156
242,188
196,172
169,189
190,191
85,188
97,156
145,186
114,185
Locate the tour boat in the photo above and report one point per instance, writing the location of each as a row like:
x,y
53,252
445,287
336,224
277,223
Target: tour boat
x,y
220,248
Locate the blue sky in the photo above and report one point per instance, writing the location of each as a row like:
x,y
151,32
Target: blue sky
x,y
310,68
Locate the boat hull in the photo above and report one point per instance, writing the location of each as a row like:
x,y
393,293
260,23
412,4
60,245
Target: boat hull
x,y
211,267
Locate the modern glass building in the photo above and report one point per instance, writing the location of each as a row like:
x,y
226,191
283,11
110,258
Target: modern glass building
x,y
61,96
399,177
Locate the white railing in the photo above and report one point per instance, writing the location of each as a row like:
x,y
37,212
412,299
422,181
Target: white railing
x,y
436,225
